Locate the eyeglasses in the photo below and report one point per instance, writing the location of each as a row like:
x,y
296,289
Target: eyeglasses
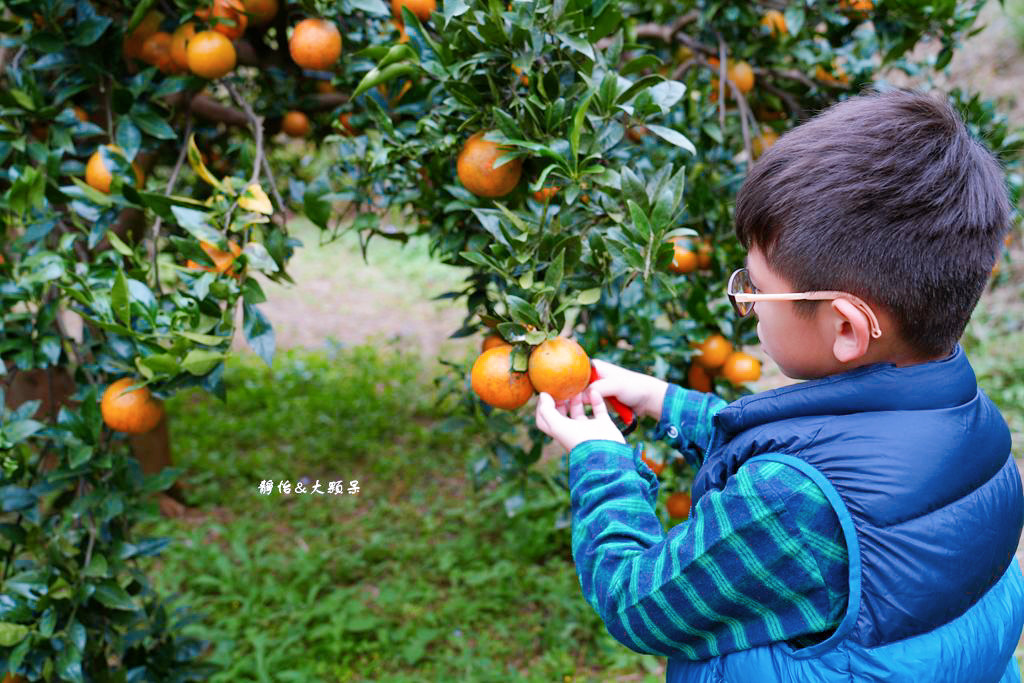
x,y
743,294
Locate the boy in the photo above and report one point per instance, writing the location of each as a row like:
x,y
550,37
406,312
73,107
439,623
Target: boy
x,y
858,526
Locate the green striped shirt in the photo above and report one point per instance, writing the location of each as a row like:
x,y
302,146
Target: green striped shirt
x,y
760,561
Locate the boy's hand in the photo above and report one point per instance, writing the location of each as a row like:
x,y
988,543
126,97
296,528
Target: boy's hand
x,y
643,393
568,424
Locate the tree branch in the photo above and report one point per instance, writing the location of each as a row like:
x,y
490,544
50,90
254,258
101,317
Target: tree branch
x,y
170,188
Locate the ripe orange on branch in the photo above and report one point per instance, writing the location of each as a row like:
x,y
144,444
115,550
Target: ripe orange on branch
x,y
494,381
475,166
100,176
421,8
210,55
678,505
230,17
179,43
296,124
150,24
492,341
315,44
713,352
545,193
775,21
133,412
156,51
684,259
559,367
261,12
762,142
699,379
741,367
656,467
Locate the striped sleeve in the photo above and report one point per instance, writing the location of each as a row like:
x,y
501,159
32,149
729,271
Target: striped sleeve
x,y
686,421
760,561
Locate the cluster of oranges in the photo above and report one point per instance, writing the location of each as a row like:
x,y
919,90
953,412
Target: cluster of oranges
x,y
688,257
716,356
557,366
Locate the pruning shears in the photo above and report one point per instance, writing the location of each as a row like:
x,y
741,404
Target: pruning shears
x,y
627,418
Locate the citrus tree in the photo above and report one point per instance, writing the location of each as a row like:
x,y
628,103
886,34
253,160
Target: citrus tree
x,y
139,197
579,157
582,158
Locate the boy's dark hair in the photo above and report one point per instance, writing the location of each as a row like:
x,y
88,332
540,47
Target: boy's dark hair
x,y
887,196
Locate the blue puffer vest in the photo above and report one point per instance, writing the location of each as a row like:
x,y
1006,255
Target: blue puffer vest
x,y
916,463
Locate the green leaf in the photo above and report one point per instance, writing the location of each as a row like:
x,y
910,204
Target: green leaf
x,y
376,7
258,332
162,363
12,634
577,125
375,76
201,361
256,200
578,44
197,224
673,136
110,594
553,275
521,311
118,245
128,138
208,339
641,223
120,302
259,258
152,124
589,296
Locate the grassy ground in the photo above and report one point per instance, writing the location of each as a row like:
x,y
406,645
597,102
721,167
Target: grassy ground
x,y
407,580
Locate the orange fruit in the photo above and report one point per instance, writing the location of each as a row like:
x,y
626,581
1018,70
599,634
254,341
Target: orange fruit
x,y
775,21
223,262
762,142
325,87
421,8
231,18
699,379
491,341
14,678
210,55
742,75
684,260
150,24
261,12
80,113
636,133
740,368
296,124
856,8
713,352
156,51
545,193
494,381
476,171
559,367
179,44
678,505
523,78
346,123
134,412
315,44
840,78
656,467
704,255
99,176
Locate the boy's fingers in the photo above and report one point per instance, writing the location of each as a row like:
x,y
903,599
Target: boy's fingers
x,y
597,406
576,407
546,410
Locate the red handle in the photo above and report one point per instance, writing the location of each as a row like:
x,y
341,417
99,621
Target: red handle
x,y
624,412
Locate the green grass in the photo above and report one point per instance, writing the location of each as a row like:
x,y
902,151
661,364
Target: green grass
x,y
411,579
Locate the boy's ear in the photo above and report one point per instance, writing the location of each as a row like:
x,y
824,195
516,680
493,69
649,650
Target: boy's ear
x,y
852,331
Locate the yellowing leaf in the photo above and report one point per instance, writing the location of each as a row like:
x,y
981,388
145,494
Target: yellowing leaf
x,y
195,160
255,199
